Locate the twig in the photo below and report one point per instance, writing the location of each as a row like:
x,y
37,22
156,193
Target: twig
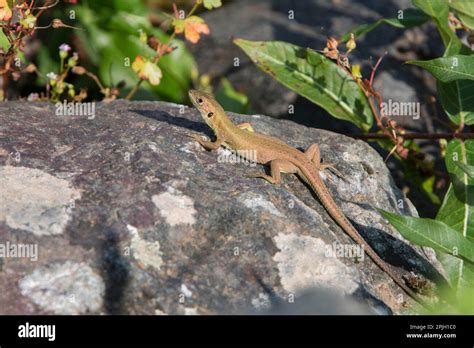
x,y
46,6
433,136
374,69
96,80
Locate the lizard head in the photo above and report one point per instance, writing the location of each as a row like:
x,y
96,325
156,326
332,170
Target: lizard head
x,y
209,108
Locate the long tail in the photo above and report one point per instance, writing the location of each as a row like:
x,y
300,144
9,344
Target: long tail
x,y
317,184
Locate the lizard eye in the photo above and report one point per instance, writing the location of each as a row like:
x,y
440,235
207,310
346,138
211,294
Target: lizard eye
x,y
210,114
200,101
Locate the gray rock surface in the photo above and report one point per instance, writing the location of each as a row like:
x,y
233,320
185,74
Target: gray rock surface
x,y
129,215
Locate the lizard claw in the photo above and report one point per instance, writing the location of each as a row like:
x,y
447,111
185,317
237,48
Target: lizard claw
x,y
267,178
194,136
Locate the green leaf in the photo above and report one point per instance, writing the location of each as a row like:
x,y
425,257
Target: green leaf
x,y
455,92
178,24
105,7
128,23
457,100
465,11
427,187
210,4
232,100
405,19
455,75
432,233
438,10
447,69
4,43
313,76
457,209
433,8
469,170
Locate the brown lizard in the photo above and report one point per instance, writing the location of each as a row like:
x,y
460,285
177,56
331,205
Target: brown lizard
x,y
281,158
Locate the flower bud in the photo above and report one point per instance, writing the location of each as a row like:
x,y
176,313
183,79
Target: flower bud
x,y
351,44
332,43
78,70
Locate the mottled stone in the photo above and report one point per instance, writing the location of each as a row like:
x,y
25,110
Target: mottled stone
x,y
69,288
35,201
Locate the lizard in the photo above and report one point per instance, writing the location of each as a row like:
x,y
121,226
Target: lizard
x,y
281,157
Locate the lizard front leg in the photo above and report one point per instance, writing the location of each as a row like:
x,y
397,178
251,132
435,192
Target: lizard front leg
x,y
208,145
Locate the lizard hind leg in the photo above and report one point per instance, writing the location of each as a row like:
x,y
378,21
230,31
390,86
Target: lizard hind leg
x,y
314,155
276,168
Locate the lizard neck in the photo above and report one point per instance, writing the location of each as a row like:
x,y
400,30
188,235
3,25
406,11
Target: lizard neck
x,y
224,125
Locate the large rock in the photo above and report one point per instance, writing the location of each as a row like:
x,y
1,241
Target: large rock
x,y
130,215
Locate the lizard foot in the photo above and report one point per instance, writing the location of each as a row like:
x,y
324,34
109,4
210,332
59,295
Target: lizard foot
x,y
195,136
333,169
268,178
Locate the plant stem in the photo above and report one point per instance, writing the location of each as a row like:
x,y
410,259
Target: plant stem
x,y
195,7
96,80
434,136
134,90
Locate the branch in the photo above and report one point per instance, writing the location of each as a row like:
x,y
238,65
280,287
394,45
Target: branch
x,y
416,136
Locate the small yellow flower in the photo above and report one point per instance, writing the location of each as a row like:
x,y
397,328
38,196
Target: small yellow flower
x,y
351,44
29,21
147,70
355,69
